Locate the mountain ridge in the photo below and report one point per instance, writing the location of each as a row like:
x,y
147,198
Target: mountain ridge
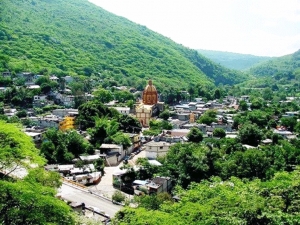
x,y
232,60
284,65
77,37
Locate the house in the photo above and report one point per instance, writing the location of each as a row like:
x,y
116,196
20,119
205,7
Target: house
x,y
68,100
183,116
10,112
113,153
68,79
284,133
249,147
135,140
245,98
290,114
159,184
3,89
267,141
54,78
32,86
224,126
64,112
28,77
192,105
154,149
48,121
6,74
89,158
231,134
176,123
35,135
39,98
178,132
122,110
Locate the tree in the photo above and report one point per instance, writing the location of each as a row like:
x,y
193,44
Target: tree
x,y
62,147
118,196
153,202
121,139
44,178
250,134
15,147
31,200
21,114
289,122
208,117
195,135
22,202
258,117
129,124
218,202
186,163
165,115
103,95
89,111
217,94
219,132
267,94
99,165
243,105
257,103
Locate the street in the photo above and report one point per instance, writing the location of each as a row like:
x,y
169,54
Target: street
x,y
75,195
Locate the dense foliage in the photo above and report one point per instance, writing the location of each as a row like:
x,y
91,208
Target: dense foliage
x,y
62,147
230,202
31,200
16,148
279,67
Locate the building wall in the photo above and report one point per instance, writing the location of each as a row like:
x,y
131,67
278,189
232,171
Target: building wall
x,y
143,114
153,152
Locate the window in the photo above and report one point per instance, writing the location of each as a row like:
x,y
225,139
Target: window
x,y
161,147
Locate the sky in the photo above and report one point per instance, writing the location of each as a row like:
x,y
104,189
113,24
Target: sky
x,y
257,27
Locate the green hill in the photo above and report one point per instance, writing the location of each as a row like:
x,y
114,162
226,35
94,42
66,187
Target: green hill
x,y
281,72
76,37
284,66
233,60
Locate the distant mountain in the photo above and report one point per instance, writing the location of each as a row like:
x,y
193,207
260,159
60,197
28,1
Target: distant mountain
x,y
76,37
284,66
233,60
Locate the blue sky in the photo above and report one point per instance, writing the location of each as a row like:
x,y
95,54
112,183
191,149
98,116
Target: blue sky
x,y
257,27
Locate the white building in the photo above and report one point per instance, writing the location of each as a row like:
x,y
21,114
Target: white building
x,y
155,149
122,110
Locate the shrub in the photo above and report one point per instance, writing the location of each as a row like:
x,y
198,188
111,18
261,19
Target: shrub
x,y
118,196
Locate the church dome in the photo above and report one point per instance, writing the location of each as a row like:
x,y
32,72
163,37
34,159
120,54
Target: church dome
x,y
150,96
150,87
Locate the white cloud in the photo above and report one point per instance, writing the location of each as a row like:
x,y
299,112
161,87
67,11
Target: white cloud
x,y
259,27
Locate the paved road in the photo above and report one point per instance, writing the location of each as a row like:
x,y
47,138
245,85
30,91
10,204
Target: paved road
x,y
75,195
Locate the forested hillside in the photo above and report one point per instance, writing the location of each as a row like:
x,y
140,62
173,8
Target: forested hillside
x,y
76,37
281,73
284,66
233,60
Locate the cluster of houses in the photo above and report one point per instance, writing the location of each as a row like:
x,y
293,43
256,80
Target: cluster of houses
x,y
183,118
64,98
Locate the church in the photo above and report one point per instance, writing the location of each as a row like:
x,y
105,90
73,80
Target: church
x,y
150,106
